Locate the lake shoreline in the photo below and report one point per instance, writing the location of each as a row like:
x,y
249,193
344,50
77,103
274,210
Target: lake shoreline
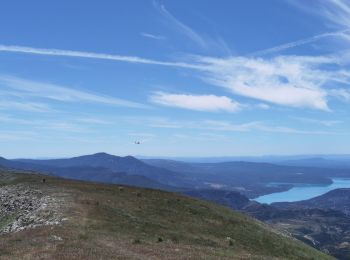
x,y
303,191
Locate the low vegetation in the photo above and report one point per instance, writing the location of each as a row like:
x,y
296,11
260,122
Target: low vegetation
x,y
110,221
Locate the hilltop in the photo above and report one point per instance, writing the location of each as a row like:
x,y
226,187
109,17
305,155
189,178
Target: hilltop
x,y
67,219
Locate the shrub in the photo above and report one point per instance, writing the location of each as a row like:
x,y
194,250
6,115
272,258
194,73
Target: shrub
x,y
136,241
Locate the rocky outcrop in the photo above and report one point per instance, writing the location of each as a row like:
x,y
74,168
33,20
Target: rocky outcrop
x,y
22,207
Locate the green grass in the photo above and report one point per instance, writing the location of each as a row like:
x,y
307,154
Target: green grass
x,y
106,222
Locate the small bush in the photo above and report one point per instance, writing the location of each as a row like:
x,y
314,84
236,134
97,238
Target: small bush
x,y
136,241
160,239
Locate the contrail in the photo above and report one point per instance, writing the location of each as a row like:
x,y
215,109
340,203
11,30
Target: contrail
x,y
297,43
92,55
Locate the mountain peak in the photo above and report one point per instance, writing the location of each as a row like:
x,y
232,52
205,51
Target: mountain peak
x,y
103,154
100,154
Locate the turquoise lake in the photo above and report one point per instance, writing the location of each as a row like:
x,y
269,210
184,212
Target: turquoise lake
x,y
303,192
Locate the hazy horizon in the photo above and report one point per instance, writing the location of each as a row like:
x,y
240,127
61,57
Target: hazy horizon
x,y
139,156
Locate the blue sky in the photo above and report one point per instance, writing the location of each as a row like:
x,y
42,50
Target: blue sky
x,y
185,78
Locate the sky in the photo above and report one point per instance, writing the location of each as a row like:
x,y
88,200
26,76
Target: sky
x,y
183,78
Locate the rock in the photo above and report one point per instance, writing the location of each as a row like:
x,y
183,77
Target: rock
x,y
23,207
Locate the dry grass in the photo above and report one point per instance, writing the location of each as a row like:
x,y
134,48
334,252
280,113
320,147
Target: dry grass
x,y
109,222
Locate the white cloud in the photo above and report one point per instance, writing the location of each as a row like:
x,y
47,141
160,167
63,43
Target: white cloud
x,y
29,88
294,81
152,36
210,103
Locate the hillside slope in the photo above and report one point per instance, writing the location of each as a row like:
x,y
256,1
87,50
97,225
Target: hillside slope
x,y
322,222
338,199
64,219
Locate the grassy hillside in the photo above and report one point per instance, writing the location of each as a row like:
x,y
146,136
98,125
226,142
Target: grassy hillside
x,y
96,221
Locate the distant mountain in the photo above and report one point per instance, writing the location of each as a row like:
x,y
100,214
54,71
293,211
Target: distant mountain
x,y
338,199
12,164
319,162
251,178
274,159
99,174
105,168
127,164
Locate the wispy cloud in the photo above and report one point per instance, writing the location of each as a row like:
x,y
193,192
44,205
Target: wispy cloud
x,y
301,42
91,55
93,121
227,126
202,137
317,121
24,106
56,92
262,106
204,42
294,81
63,127
152,36
181,27
336,12
6,136
341,93
54,124
209,103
